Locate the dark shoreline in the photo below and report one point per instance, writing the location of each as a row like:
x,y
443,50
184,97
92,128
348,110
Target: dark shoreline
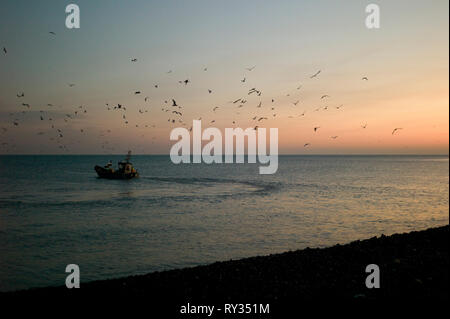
x,y
412,265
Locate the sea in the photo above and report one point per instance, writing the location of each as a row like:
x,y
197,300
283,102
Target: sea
x,y
55,211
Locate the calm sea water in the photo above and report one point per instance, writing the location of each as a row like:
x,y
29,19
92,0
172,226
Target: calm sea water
x,y
54,211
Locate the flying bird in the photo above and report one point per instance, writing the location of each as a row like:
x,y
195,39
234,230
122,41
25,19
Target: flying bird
x,y
396,129
134,60
4,50
250,69
324,96
315,74
316,128
365,78
307,144
364,126
53,33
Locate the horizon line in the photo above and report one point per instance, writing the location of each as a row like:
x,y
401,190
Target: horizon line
x,y
142,154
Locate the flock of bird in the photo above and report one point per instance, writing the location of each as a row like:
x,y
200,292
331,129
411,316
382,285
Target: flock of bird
x,y
170,106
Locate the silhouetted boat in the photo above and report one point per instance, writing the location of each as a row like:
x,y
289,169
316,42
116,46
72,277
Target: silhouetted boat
x,y
125,170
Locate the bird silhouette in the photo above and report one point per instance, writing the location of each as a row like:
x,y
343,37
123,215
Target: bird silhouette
x,y
396,129
315,74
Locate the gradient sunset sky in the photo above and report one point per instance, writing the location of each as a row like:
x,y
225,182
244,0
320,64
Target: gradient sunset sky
x,y
406,62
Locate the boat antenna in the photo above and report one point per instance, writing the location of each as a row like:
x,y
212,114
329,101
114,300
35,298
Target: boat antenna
x,y
128,156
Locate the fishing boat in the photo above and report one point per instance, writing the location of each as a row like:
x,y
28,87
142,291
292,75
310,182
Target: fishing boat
x,y
124,171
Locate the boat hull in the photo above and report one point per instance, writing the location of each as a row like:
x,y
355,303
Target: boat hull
x,y
106,173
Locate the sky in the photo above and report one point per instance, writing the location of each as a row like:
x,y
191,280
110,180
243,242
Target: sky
x,y
405,61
